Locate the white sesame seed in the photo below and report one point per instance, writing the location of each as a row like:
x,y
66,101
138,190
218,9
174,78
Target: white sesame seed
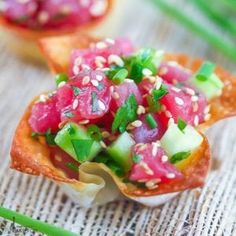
x,y
158,83
99,77
168,114
129,81
115,59
75,70
85,67
109,40
164,158
58,158
194,98
115,95
207,117
84,122
151,184
43,97
103,144
111,89
175,89
101,105
146,168
171,121
75,104
152,79
170,175
179,101
101,45
86,80
137,123
154,150
195,107
207,109
94,82
98,8
141,110
43,17
105,134
190,91
146,72
78,61
61,84
196,121
99,61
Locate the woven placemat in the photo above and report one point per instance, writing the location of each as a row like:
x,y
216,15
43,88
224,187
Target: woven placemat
x,y
207,211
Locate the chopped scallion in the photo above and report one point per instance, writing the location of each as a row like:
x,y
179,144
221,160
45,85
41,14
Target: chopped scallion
x,y
94,132
181,124
179,157
61,78
151,121
205,71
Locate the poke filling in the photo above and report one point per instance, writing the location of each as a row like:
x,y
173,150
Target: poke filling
x,y
129,109
51,14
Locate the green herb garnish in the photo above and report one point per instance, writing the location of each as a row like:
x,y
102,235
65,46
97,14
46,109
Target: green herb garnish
x,y
72,166
137,158
95,107
61,78
179,157
68,114
181,124
159,93
151,121
205,71
125,114
117,75
82,148
76,91
154,106
49,136
94,132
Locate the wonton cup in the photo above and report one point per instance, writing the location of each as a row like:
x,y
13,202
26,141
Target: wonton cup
x,y
97,184
23,41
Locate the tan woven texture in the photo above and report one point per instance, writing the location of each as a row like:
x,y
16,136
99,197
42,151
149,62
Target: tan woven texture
x,y
207,211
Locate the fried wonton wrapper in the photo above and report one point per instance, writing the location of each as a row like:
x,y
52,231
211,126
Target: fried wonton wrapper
x,y
97,184
57,51
23,41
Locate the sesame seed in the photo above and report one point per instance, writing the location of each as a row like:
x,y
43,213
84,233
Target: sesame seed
x,y
105,134
163,108
98,8
195,107
86,80
115,95
207,109
146,168
196,121
194,98
164,158
179,101
43,97
158,83
75,104
85,67
115,59
101,105
101,45
111,89
99,61
175,89
78,61
75,70
142,147
141,110
58,158
137,123
94,82
154,150
109,40
129,81
99,77
43,17
170,175
61,84
190,91
163,71
151,184
168,114
146,72
84,122
152,79
65,9
103,144
171,121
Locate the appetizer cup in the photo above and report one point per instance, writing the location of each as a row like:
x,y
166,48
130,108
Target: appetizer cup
x,y
25,22
122,123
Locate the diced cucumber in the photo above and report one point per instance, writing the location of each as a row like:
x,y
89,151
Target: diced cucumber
x,y
174,140
120,151
72,132
211,87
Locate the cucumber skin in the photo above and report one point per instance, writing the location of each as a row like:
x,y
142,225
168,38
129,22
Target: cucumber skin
x,y
174,140
65,135
212,87
120,151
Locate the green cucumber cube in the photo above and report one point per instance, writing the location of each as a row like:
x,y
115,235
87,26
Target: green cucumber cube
x,y
174,140
70,132
120,151
211,87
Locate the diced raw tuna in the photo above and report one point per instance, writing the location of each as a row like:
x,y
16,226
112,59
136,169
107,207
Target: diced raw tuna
x,y
153,165
45,116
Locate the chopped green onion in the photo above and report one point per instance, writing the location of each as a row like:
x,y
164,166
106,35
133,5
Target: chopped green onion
x,y
153,105
125,114
94,132
76,91
82,148
137,158
50,138
61,78
120,76
95,106
151,121
181,124
69,114
159,93
205,71
72,166
33,224
179,157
